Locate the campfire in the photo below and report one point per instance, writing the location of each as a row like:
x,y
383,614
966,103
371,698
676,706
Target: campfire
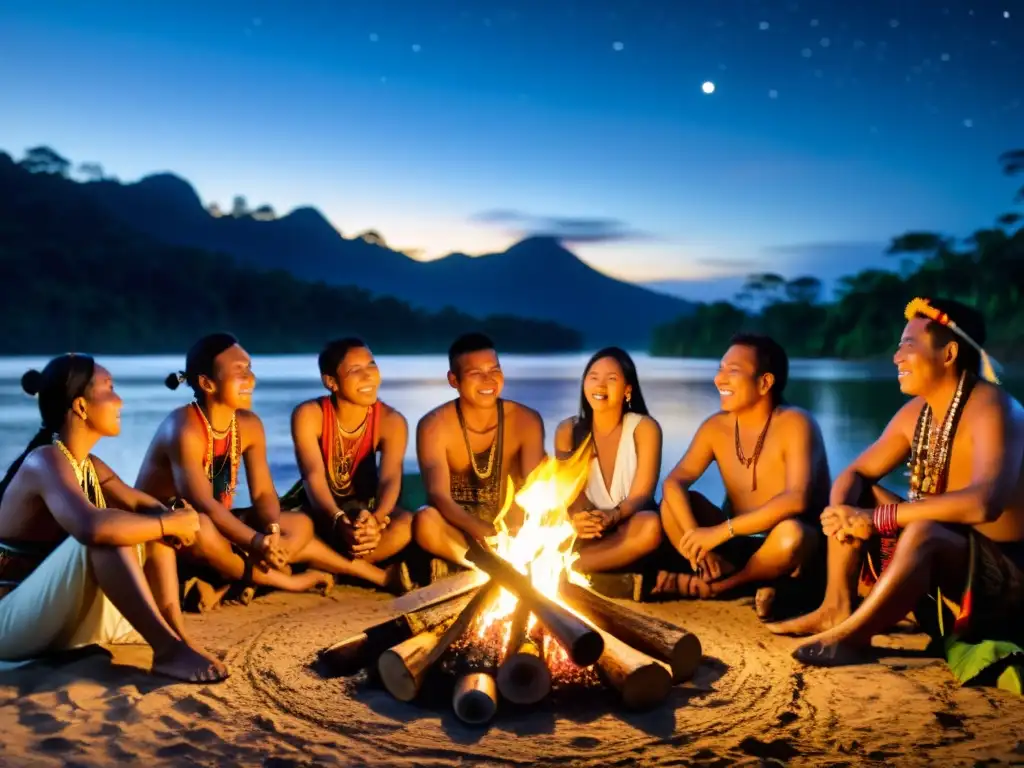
x,y
522,619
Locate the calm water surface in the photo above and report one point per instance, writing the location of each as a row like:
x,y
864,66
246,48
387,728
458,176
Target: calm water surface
x,y
852,401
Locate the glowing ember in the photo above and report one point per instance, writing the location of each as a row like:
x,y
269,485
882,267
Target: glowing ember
x,y
542,547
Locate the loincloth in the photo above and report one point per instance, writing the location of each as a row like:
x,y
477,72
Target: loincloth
x,y
992,602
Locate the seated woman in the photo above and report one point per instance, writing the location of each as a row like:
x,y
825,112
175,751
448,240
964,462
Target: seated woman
x,y
84,558
615,516
196,456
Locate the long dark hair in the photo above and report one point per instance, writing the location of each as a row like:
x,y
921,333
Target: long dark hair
x,y
585,420
61,382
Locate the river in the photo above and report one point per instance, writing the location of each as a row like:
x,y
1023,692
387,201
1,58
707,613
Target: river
x,y
851,401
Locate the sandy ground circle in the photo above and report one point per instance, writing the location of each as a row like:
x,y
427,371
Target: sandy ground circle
x,y
749,703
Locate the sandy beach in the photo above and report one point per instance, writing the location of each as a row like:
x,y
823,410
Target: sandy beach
x,y
749,704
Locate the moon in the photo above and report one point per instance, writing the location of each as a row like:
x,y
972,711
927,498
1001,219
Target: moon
x,y
708,87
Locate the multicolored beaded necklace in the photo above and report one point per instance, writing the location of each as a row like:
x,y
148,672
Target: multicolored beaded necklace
x,y
223,488
929,456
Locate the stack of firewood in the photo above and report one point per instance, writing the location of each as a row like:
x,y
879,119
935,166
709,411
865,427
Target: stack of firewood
x,y
638,655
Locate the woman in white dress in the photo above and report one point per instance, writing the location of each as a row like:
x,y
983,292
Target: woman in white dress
x,y
615,516
84,558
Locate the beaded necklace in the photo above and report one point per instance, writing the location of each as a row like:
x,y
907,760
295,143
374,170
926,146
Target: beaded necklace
x,y
232,457
752,460
340,477
85,473
929,456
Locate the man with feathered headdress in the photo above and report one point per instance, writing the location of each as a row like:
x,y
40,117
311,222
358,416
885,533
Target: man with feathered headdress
x,y
953,551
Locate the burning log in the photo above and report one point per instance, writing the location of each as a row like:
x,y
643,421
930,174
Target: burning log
x,y
582,642
402,667
641,681
523,677
681,649
419,611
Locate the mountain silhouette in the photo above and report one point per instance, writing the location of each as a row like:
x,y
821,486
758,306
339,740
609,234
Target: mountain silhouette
x,y
74,277
537,277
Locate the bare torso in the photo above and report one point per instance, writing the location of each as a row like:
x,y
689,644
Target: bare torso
x,y
983,403
741,497
23,514
156,475
516,427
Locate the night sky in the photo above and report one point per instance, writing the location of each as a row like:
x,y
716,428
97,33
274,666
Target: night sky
x,y
462,124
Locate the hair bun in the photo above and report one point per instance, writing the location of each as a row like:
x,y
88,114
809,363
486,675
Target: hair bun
x,y
32,382
173,380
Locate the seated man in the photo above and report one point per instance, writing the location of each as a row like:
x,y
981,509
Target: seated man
x,y
337,440
963,522
772,460
468,449
84,558
195,456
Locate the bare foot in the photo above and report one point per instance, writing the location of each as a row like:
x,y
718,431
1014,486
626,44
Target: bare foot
x,y
397,580
321,581
187,664
834,654
812,623
764,600
681,585
201,596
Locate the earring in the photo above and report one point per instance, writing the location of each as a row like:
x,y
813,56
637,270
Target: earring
x,y
629,400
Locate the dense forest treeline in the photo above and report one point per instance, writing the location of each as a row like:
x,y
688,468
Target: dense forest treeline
x,y
985,270
74,278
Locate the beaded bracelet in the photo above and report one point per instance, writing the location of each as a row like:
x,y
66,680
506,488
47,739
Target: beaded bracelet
x,y
884,520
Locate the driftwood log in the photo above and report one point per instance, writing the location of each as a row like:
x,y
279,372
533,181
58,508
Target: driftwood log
x,y
523,677
363,649
656,637
582,642
642,682
403,667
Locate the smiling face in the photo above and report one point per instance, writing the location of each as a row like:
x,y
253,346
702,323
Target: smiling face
x,y
920,365
101,405
738,383
604,385
357,378
233,381
479,379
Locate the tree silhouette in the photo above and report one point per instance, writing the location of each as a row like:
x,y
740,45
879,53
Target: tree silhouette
x,y
806,290
373,237
239,207
985,269
91,171
1013,164
264,213
42,159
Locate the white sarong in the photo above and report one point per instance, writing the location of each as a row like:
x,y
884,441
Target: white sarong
x,y
60,606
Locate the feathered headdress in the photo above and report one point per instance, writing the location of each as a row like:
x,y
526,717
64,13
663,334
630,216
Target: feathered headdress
x,y
923,307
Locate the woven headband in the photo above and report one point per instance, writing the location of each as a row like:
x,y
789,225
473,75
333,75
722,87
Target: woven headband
x,y
923,307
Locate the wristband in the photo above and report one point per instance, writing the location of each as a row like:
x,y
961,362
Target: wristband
x,y
728,522
160,519
252,542
884,520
